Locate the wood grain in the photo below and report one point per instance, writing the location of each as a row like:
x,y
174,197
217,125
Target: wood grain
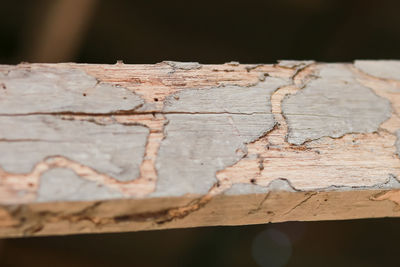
x,y
107,148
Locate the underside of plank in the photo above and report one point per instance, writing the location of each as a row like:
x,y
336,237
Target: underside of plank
x,y
109,148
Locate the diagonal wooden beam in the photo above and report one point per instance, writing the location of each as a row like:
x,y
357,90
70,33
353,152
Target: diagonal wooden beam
x,y
106,148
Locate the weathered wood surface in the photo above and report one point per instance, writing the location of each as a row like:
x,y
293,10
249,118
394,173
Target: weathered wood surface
x,y
103,148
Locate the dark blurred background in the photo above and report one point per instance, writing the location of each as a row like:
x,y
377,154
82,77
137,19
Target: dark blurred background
x,y
207,31
363,243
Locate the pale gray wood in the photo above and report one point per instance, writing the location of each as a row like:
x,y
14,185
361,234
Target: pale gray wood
x,y
183,65
387,69
333,104
58,185
226,99
208,131
50,90
249,189
114,149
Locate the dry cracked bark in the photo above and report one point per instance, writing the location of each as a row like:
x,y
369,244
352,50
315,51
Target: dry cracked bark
x,y
100,148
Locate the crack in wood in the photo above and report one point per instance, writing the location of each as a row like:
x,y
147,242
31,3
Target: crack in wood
x,y
309,195
259,207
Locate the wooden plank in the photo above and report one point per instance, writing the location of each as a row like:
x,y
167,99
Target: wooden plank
x,y
105,148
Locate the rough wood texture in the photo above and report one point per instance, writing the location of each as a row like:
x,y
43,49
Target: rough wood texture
x,y
102,148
